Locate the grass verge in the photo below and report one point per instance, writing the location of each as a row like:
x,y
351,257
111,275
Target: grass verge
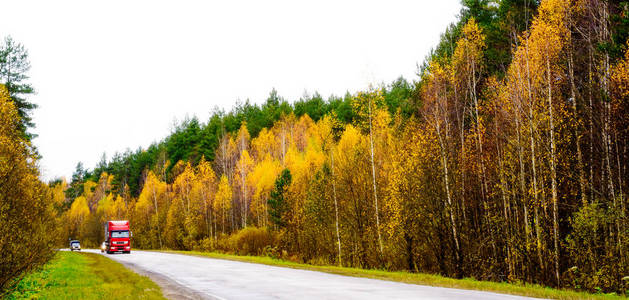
x,y
530,290
72,275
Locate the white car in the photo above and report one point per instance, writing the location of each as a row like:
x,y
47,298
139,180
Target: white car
x,y
75,245
103,247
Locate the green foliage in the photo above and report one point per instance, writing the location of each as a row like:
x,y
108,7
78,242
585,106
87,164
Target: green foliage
x,y
501,21
277,202
14,66
314,106
399,96
619,20
76,187
184,142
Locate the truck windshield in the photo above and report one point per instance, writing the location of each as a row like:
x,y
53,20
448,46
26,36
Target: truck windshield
x,y
120,234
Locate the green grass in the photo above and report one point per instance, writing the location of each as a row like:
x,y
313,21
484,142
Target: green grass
x,y
72,275
530,290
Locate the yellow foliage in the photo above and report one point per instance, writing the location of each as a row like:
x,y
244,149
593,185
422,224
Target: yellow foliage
x,y
153,191
264,144
620,75
88,188
223,195
27,233
242,138
223,202
467,57
78,215
58,193
183,186
262,178
365,104
350,139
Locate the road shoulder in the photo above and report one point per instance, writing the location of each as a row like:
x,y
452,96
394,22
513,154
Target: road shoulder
x,y
170,287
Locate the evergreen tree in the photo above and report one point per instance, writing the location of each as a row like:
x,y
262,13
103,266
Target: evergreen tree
x,y
277,202
14,66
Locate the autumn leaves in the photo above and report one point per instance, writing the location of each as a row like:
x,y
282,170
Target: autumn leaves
x,y
518,174
27,228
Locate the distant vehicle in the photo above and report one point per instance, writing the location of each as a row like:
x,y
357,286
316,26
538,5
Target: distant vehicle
x,y
117,237
103,247
75,245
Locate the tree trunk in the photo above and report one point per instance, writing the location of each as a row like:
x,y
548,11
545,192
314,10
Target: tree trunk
x,y
373,175
524,194
534,167
505,205
336,211
444,163
577,133
159,232
553,173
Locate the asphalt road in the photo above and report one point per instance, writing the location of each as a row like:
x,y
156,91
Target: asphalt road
x,y
191,277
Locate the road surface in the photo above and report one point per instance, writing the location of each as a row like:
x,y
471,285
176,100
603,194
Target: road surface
x,y
192,277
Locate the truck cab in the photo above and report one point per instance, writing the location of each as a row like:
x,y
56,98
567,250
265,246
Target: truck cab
x,y
117,237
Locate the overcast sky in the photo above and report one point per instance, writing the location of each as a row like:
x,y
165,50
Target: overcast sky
x,y
113,75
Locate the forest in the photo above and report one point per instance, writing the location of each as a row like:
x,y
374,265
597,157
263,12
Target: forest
x,y
504,160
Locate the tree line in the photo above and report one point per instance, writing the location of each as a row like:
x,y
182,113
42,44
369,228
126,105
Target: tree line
x,y
191,139
509,170
506,160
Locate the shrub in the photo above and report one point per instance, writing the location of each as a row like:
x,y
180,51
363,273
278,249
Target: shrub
x,y
250,241
27,234
597,259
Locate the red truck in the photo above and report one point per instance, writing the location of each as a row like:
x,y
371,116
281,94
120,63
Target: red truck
x,y
117,237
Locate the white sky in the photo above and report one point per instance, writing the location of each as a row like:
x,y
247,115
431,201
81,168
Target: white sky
x,y
112,75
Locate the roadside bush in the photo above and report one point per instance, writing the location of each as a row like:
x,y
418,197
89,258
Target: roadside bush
x,y
27,234
272,252
249,241
207,244
599,260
